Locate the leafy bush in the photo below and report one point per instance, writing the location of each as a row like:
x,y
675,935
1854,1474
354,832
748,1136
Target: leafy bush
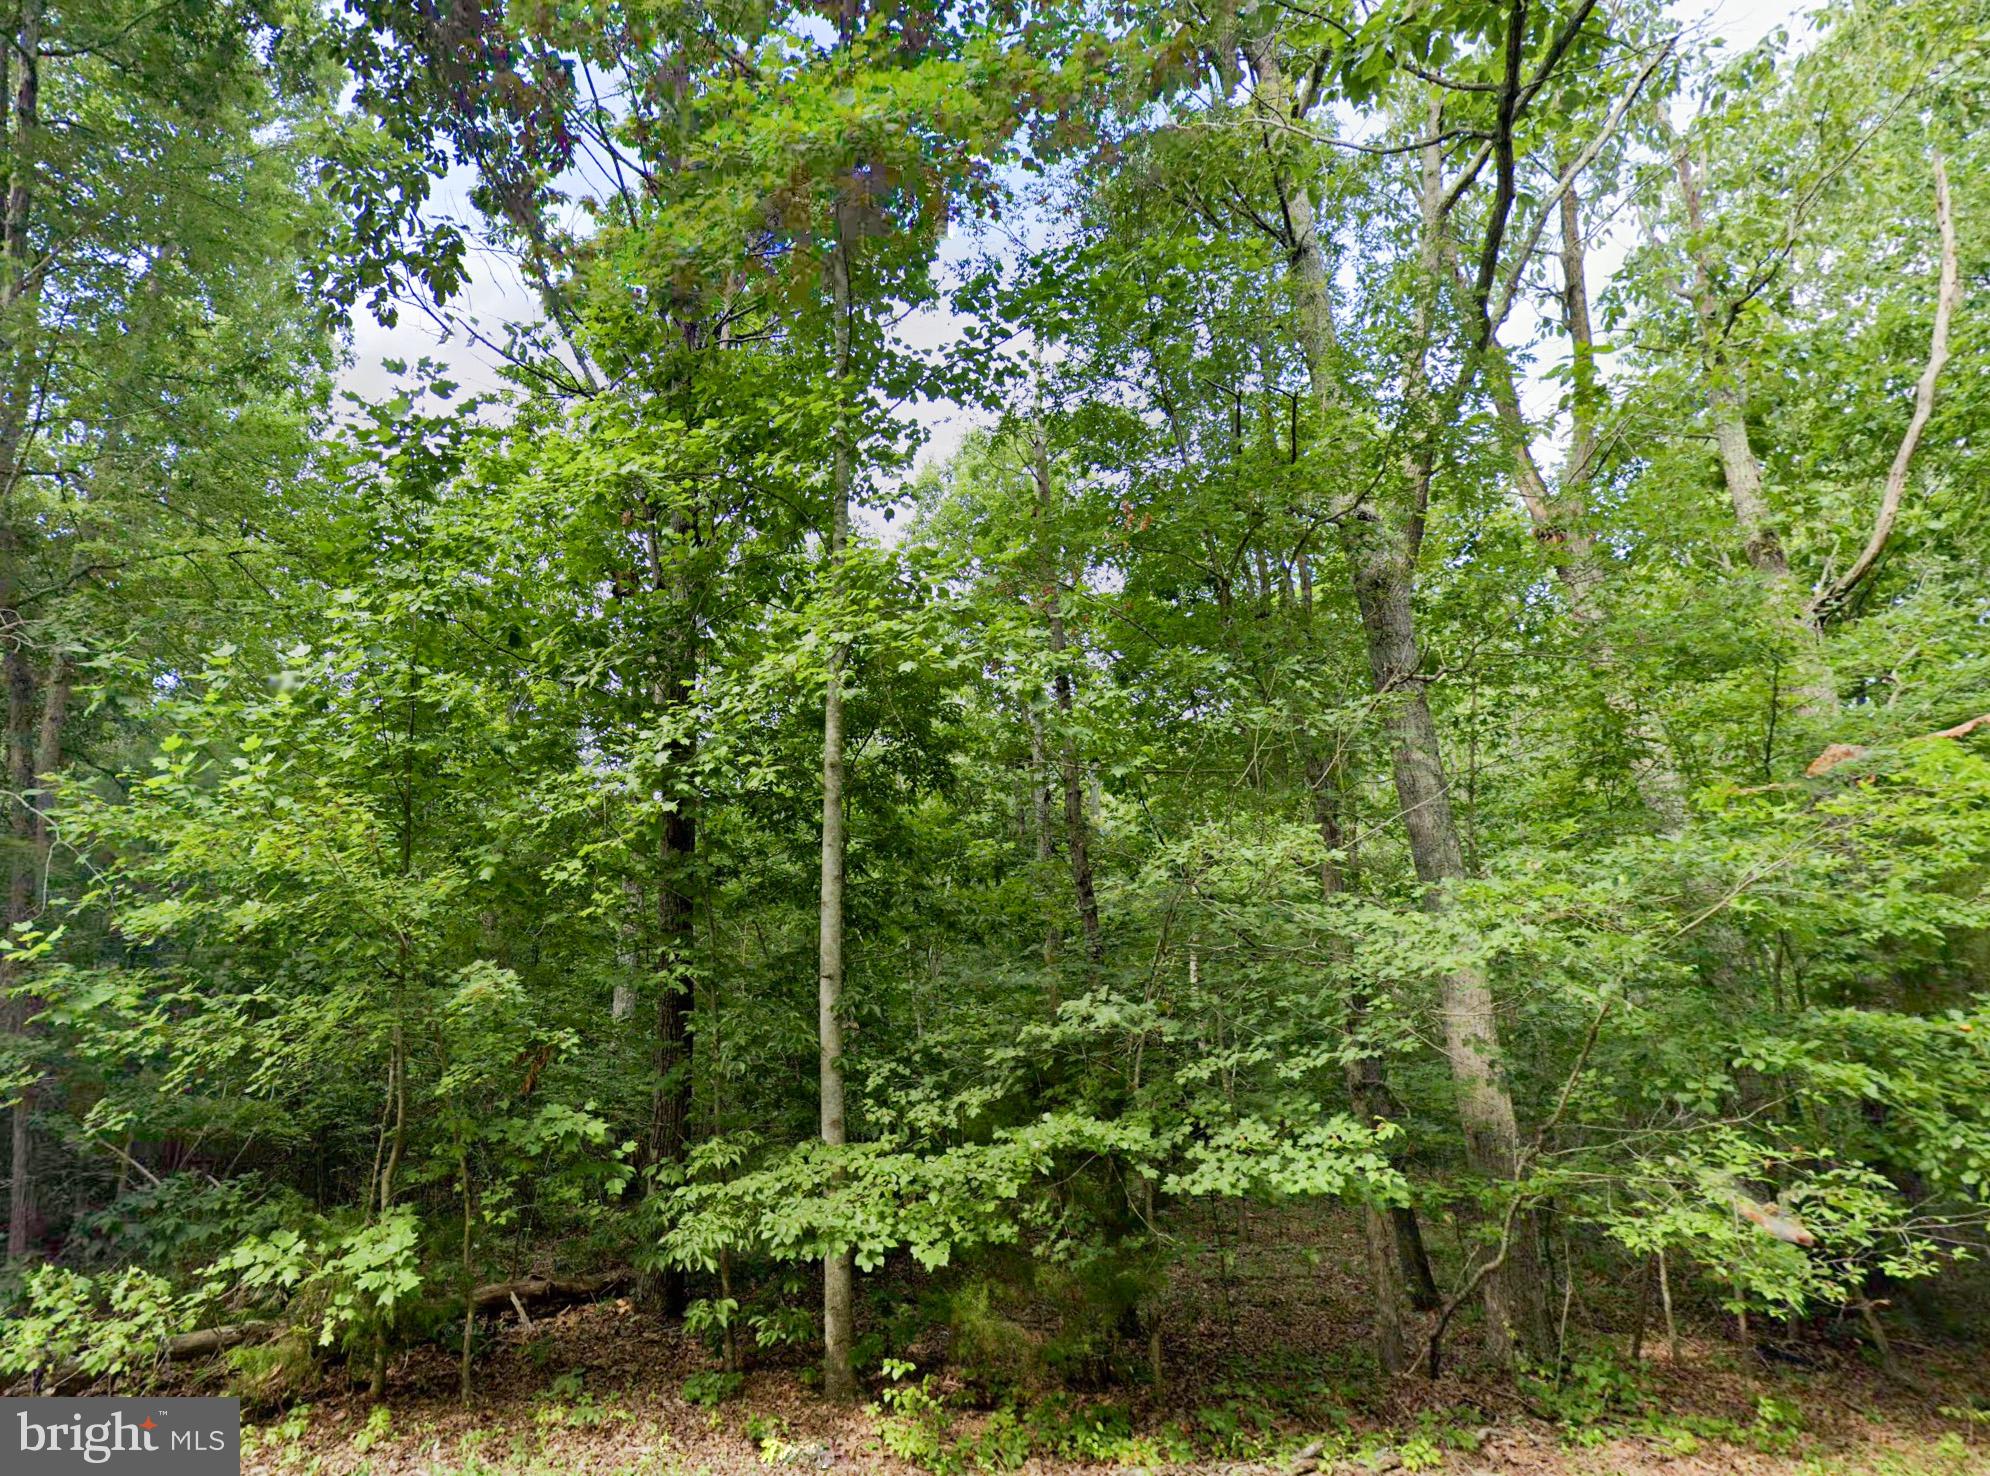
x,y
114,1324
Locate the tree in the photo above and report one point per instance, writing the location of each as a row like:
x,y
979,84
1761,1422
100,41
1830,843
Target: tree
x,y
1386,731
142,328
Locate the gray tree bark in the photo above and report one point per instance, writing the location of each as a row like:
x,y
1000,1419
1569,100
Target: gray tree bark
x,y
839,1380
1741,470
1369,1097
1559,513
1380,540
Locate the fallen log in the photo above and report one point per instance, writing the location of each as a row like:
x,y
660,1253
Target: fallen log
x,y
211,1340
503,1296
180,1348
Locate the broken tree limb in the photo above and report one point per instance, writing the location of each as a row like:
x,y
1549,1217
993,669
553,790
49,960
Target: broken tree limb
x,y
1838,753
1772,1220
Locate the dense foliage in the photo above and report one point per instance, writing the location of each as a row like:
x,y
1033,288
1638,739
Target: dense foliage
x,y
1451,679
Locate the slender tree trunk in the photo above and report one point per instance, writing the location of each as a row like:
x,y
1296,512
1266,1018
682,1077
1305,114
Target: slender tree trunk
x,y
1414,1259
839,1380
1665,1301
1726,400
1558,518
629,957
1646,1275
20,740
1077,837
468,1271
1948,302
32,756
397,1091
1583,444
20,284
397,1068
1516,1297
671,1110
1380,539
48,764
20,275
1041,783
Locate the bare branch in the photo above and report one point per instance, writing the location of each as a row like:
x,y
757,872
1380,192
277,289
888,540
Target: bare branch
x,y
1948,296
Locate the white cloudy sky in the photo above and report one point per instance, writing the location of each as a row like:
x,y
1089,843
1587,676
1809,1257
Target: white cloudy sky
x,y
496,295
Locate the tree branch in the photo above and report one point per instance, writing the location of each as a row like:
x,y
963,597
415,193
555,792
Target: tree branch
x,y
1948,296
1567,181
1502,143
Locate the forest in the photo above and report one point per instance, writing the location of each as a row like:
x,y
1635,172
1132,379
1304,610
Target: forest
x,y
1176,735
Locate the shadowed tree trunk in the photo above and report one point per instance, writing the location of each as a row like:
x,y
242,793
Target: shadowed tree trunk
x,y
1365,1088
20,294
1041,784
21,870
1077,830
671,1113
670,1122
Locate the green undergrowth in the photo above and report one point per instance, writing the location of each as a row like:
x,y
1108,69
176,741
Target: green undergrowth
x,y
1259,1412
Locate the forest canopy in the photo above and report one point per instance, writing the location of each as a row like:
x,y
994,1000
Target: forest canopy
x,y
1435,680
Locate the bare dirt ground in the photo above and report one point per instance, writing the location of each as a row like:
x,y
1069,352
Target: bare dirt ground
x,y
1266,1362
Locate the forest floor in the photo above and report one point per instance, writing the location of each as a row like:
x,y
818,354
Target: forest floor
x,y
1256,1382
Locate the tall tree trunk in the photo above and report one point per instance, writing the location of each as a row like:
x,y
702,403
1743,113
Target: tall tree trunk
x,y
20,274
1516,1297
20,292
1741,471
1077,837
31,760
670,1120
1559,513
1726,399
1367,1076
1583,446
629,959
1380,540
839,1379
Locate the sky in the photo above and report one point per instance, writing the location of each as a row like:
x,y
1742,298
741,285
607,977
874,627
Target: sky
x,y
495,293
